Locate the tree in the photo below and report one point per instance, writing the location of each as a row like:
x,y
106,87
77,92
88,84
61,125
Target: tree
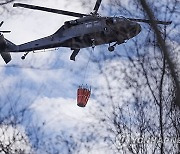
x,y
19,130
136,112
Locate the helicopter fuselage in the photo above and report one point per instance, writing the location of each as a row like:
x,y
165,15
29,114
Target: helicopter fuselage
x,y
86,32
89,30
97,31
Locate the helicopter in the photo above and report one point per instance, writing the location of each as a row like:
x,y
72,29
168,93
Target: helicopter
x,y
88,30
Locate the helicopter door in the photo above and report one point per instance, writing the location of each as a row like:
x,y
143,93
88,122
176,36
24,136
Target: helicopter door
x,y
108,23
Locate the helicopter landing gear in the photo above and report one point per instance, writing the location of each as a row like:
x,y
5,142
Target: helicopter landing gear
x,y
111,48
93,43
24,56
74,54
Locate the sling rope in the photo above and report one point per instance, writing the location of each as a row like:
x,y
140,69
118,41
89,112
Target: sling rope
x,y
87,65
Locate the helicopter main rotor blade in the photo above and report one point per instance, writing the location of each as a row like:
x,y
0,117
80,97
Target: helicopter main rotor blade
x,y
74,14
96,8
1,23
149,21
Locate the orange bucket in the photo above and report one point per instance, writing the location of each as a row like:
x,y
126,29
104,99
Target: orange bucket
x,y
83,94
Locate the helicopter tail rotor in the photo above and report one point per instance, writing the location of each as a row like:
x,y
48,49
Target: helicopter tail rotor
x,y
3,45
1,23
3,31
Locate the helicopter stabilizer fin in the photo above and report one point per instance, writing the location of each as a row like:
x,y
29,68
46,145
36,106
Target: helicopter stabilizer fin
x,y
5,48
6,56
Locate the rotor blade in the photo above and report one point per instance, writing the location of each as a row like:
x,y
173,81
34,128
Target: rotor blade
x,y
49,10
148,21
1,23
98,3
5,31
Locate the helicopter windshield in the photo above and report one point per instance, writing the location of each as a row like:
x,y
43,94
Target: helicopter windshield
x,y
110,21
71,23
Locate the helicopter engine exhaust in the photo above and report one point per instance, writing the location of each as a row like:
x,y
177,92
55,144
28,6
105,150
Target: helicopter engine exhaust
x,y
3,45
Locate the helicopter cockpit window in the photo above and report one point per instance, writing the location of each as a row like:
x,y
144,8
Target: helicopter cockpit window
x,y
67,24
89,24
120,19
114,20
96,23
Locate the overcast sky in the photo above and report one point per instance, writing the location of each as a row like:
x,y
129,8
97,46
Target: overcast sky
x,y
52,88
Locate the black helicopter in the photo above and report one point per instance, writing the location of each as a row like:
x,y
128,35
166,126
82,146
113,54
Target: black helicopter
x,y
89,30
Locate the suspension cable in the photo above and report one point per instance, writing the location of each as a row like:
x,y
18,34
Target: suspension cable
x,y
87,65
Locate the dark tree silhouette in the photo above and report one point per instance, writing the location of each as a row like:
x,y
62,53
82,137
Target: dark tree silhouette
x,y
137,112
19,131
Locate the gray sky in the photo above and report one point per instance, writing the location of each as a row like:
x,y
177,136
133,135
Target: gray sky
x,y
53,87
58,97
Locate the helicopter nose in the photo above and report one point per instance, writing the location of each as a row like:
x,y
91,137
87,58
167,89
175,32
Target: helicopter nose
x,y
138,29
134,29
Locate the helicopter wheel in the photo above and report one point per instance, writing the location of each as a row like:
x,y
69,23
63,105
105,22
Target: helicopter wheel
x,y
23,57
111,48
